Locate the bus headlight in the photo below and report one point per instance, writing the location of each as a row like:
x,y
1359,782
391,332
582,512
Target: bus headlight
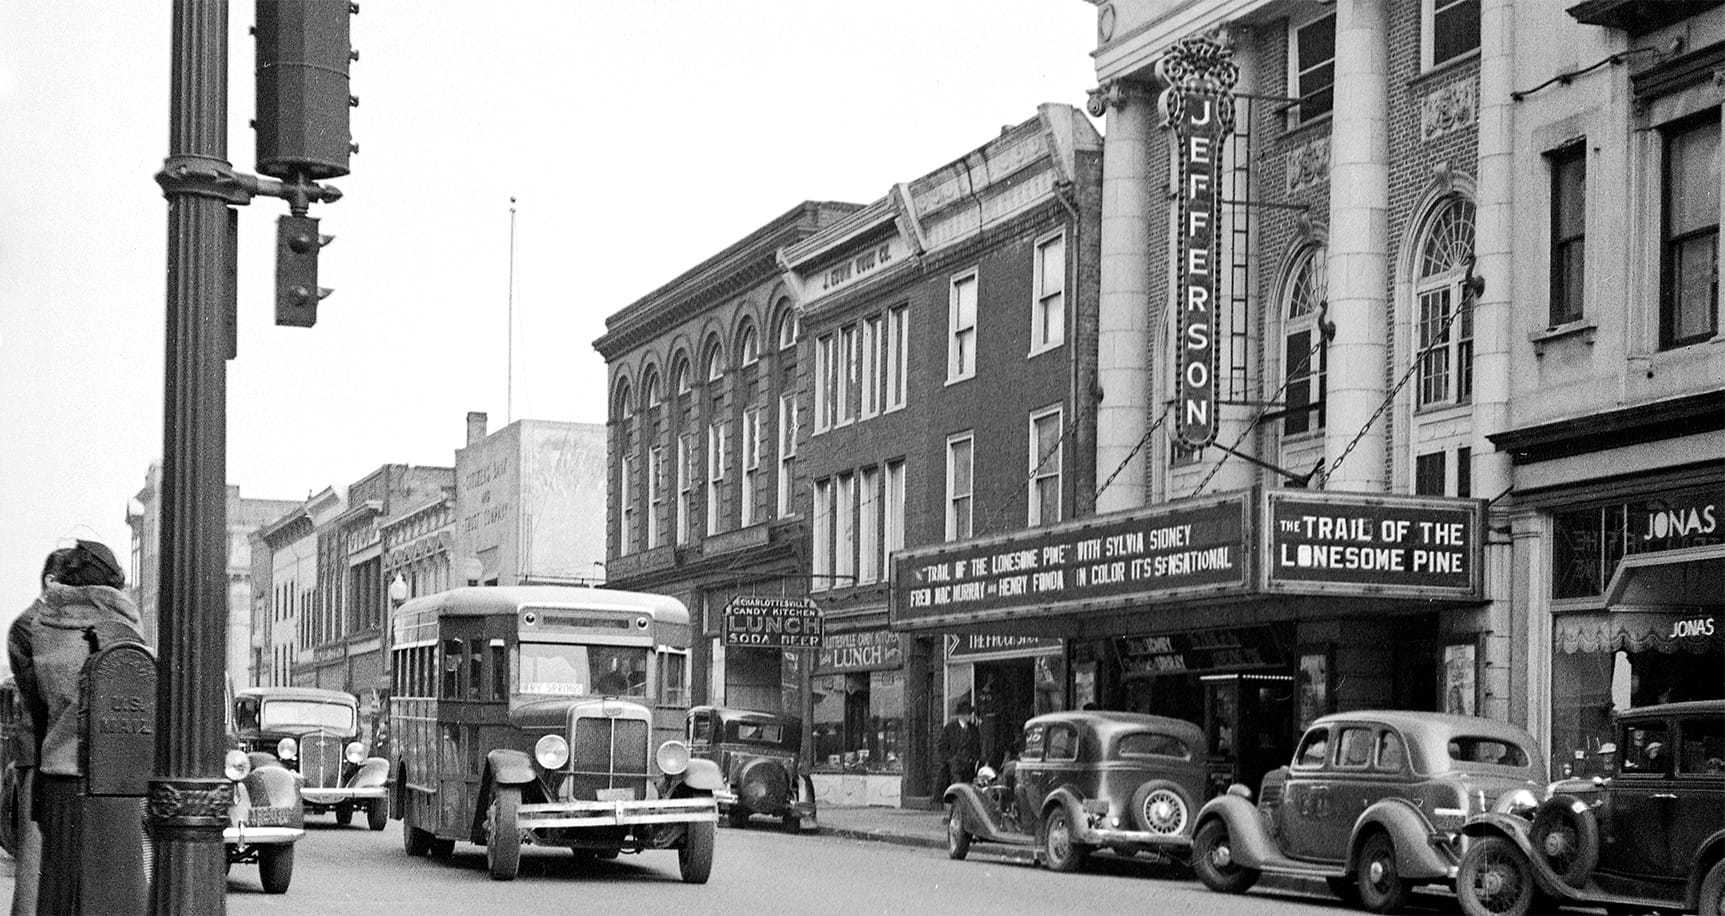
x,y
551,751
355,753
236,765
673,758
287,748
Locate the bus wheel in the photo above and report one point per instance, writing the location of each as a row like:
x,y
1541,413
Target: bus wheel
x,y
695,856
414,841
502,836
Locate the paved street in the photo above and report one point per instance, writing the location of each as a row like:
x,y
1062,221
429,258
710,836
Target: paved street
x,y
757,871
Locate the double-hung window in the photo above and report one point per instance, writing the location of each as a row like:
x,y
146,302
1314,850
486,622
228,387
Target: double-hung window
x,y
824,383
871,366
821,559
892,537
685,487
751,448
1451,30
1045,466
897,355
1305,359
787,450
626,503
718,461
845,532
1048,312
655,494
1445,317
868,525
1568,233
958,485
844,391
1314,66
961,337
1689,293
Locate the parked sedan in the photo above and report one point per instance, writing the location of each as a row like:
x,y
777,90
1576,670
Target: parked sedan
x,y
1373,802
1649,835
1088,780
315,733
265,818
759,755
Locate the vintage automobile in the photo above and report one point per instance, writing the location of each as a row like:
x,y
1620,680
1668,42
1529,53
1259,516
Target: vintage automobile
x,y
1373,802
315,732
265,817
1089,780
1650,835
758,754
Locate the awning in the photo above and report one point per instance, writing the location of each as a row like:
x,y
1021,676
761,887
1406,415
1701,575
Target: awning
x,y
1638,630
1693,577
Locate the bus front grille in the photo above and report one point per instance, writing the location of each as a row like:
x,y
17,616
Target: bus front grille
x,y
608,753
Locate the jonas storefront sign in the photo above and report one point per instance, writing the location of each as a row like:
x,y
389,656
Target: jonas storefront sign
x,y
1329,542
1164,552
772,623
1198,106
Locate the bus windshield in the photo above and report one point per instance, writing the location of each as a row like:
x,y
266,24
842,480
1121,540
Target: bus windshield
x,y
577,670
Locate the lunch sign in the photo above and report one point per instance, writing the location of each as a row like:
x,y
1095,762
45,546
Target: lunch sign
x,y
1292,542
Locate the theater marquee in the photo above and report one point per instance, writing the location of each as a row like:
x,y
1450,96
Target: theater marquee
x,y
1353,543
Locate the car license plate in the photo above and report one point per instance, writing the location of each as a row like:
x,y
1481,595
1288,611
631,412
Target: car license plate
x,y
270,817
623,794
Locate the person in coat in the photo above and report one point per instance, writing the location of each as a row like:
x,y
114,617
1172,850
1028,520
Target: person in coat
x,y
961,745
81,609
27,866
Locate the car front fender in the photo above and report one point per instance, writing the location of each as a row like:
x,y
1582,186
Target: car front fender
x,y
509,767
1511,827
1416,856
372,773
1249,843
703,774
970,807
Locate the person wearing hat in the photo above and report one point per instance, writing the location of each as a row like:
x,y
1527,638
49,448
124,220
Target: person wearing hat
x,y
81,609
960,745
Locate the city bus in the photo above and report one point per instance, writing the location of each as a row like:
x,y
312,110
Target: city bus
x,y
551,716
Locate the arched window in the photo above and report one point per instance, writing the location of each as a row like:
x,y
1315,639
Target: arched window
x,y
650,388
1443,335
789,328
680,376
714,365
625,402
748,346
1305,358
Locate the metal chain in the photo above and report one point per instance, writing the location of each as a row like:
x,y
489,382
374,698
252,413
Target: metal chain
x,y
1323,338
1135,449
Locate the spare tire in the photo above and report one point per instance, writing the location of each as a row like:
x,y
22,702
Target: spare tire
x,y
1565,840
762,786
1162,808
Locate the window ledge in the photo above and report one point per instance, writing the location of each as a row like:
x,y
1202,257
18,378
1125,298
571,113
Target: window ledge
x,y
1580,329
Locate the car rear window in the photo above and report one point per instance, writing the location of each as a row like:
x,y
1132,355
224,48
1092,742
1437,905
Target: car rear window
x,y
755,731
1495,751
1150,744
1062,743
1033,742
1703,746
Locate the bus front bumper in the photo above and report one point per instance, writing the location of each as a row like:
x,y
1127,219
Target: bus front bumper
x,y
617,813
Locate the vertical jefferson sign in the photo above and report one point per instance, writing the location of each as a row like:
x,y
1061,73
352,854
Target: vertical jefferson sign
x,y
1199,106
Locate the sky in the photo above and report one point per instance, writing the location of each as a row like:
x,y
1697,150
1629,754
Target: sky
x,y
638,137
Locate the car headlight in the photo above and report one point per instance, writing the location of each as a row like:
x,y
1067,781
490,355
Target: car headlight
x,y
287,748
1521,803
673,758
551,751
236,765
355,753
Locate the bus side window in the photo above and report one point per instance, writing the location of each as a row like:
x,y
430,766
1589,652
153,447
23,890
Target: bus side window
x,y
452,669
476,669
499,670
674,679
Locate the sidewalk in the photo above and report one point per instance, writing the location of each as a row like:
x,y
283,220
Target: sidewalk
x,y
911,827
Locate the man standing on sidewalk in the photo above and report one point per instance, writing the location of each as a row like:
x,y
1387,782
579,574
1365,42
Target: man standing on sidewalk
x,y
960,746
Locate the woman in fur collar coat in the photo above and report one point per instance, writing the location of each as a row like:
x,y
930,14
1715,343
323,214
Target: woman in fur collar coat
x,y
82,608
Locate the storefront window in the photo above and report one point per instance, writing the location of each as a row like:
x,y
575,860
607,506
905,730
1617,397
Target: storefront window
x,y
1585,550
858,722
1625,668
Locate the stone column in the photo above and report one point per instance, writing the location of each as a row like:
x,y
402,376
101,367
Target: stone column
x,y
1127,317
1358,261
1494,233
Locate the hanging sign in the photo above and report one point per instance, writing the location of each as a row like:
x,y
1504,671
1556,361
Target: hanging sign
x,y
1198,106
772,623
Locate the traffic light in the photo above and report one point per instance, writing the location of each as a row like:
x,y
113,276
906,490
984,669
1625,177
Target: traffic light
x,y
302,88
297,292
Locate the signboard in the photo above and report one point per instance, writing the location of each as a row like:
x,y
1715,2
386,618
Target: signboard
x,y
772,623
960,646
1354,543
1225,649
864,650
1198,105
1157,553
1674,521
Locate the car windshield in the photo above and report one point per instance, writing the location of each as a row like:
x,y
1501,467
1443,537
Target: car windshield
x,y
566,669
291,715
1495,751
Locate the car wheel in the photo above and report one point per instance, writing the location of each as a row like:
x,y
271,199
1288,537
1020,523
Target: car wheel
x,y
1213,860
1565,840
737,816
377,814
1712,901
502,835
344,815
442,848
1381,887
1161,808
695,856
275,867
957,838
1058,847
1495,879
1345,889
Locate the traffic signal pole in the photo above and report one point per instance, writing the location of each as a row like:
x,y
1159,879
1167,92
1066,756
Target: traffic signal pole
x,y
189,797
